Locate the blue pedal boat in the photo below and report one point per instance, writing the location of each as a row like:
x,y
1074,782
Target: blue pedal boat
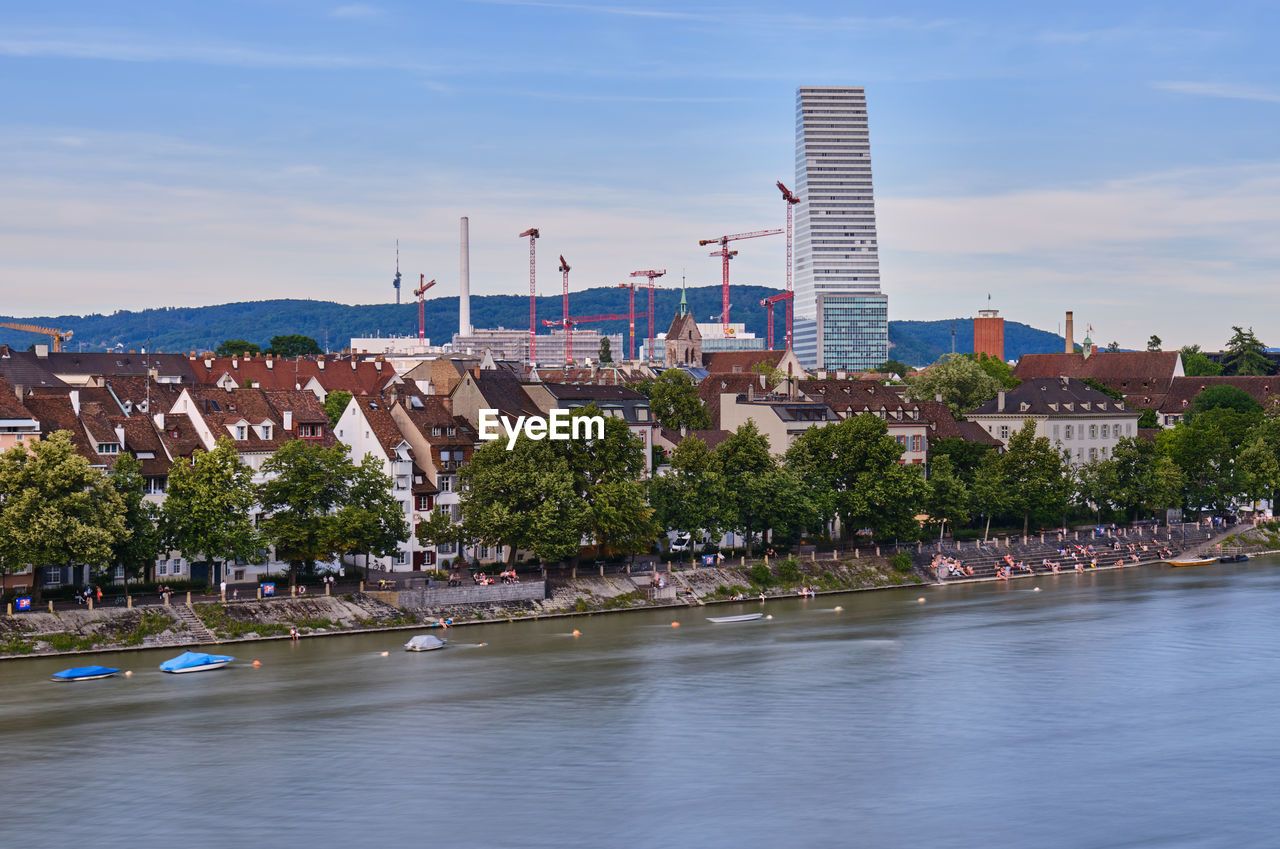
x,y
192,661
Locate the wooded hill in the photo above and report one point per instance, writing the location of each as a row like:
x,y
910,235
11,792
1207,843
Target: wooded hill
x,y
333,324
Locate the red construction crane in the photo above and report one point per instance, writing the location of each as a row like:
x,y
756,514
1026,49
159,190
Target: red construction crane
x,y
768,303
725,254
651,274
569,322
791,200
422,315
533,234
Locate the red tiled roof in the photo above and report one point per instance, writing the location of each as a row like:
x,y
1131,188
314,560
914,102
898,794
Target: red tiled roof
x,y
54,412
713,385
359,377
1128,372
740,361
10,406
1185,389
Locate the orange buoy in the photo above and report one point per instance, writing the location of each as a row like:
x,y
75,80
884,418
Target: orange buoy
x,y
256,664
920,599
577,633
128,673
675,624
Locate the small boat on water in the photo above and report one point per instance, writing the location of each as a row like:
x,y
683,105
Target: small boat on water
x,y
193,661
1233,558
84,673
1181,562
425,642
745,617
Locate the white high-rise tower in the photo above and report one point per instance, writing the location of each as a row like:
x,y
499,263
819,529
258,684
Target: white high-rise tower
x,y
841,317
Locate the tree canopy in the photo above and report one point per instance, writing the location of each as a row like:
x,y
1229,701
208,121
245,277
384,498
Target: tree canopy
x,y
208,511
237,348
335,403
674,401
1244,354
959,379
293,345
56,509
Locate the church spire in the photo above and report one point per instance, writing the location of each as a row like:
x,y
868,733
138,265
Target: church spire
x,y
684,301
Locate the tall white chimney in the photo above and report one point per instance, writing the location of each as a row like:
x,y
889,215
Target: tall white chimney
x,y
464,284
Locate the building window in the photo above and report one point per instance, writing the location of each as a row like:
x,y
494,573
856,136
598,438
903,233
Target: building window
x,y
400,558
162,568
451,431
1093,431
1069,429
423,503
1056,437
266,431
1106,431
310,431
444,483
1093,454
241,433
915,443
1128,429
108,447
1004,431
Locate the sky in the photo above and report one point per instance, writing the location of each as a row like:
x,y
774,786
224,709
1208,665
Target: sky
x,y
1115,159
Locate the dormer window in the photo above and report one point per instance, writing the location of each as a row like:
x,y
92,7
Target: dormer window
x,y
108,447
242,433
451,431
266,432
435,431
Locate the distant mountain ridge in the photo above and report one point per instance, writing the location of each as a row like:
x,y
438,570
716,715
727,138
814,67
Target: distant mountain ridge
x,y
333,324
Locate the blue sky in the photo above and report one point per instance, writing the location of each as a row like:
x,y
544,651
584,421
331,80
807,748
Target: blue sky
x,y
1115,159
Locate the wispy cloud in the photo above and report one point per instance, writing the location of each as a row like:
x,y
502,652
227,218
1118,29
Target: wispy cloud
x,y
625,11
1224,90
119,46
356,10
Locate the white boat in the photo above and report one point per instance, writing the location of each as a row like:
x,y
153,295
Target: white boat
x,y
1191,561
745,617
424,642
193,661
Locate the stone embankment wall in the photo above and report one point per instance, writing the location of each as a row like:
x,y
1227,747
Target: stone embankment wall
x,y
438,596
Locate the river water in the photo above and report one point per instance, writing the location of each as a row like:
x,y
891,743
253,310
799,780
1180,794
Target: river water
x,y
1129,708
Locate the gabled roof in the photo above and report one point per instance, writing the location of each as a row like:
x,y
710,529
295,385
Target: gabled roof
x,y
1185,389
502,391
223,410
1127,372
55,412
857,396
714,385
1053,397
740,361
592,392
10,406
25,369
377,412
99,363
187,439
682,326
943,425
712,438
359,377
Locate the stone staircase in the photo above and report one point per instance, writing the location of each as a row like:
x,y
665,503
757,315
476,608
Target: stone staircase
x,y
195,627
985,560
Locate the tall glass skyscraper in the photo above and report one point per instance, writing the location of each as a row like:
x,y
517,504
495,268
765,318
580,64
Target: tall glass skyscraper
x,y
841,317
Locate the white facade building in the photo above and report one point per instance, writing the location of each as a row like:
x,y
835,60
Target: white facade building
x,y
836,259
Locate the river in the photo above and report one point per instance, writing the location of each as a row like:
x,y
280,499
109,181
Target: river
x,y
1111,709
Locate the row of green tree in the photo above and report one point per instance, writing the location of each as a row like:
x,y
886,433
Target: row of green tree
x,y
314,506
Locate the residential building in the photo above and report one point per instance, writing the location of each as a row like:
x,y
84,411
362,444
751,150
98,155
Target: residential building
x,y
17,424
902,417
613,401
1183,390
781,416
841,318
1075,417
